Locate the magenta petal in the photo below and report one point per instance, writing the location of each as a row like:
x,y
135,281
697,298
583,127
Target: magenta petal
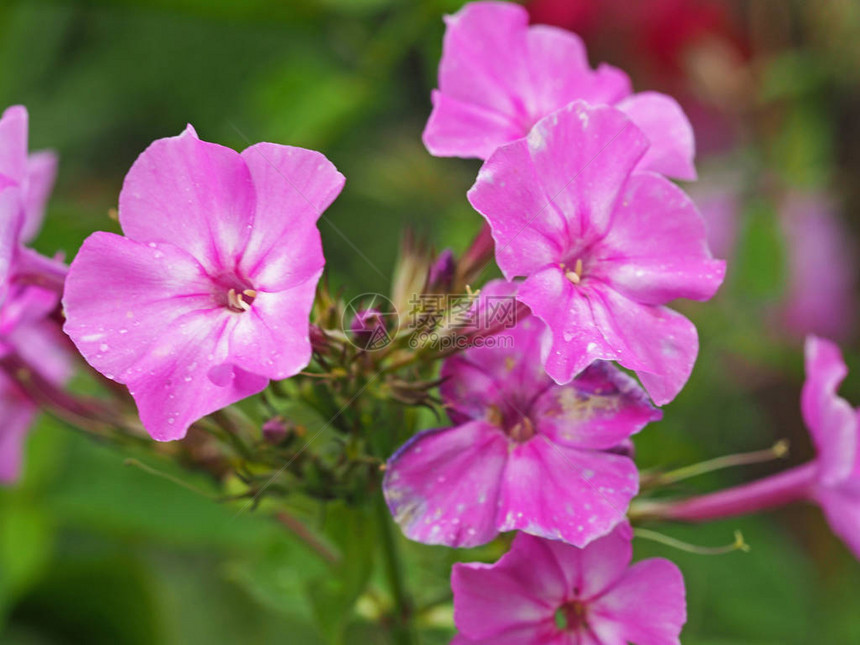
x,y
154,325
560,72
293,187
522,589
583,155
576,340
11,220
443,485
562,493
487,376
191,193
41,173
672,143
545,633
17,412
598,410
256,340
527,228
657,249
647,606
841,506
832,422
13,145
459,128
483,58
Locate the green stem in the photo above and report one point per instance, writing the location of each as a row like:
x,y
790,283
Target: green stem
x,y
403,630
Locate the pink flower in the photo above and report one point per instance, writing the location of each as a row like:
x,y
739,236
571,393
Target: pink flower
x,y
523,453
498,77
822,301
25,185
207,296
33,174
603,246
832,480
549,593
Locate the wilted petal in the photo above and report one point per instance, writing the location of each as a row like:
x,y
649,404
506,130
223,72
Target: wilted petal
x,y
598,410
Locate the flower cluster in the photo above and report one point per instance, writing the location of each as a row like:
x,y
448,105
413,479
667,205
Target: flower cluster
x,y
212,294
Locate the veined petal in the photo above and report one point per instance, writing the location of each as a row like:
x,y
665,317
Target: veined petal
x,y
13,145
521,590
41,173
458,128
657,249
833,424
483,58
527,227
191,193
293,187
17,412
561,493
647,606
443,485
560,73
582,155
670,135
256,338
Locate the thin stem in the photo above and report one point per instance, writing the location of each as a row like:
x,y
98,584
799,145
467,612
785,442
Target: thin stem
x,y
654,536
302,532
403,630
171,478
778,451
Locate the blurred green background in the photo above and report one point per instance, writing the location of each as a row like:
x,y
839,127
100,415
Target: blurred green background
x,y
93,551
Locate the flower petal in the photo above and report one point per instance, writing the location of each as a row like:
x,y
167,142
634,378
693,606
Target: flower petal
x,y
521,590
153,323
672,142
491,375
41,173
11,221
443,485
583,155
647,606
458,128
657,249
257,338
13,145
562,493
18,413
484,64
293,187
833,424
560,73
841,506
598,410
528,229
191,193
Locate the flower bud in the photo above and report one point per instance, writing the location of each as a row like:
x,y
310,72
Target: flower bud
x,y
275,430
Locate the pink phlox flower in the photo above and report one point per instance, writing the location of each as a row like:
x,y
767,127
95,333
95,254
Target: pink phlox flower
x,y
208,295
498,77
835,429
522,453
544,592
602,245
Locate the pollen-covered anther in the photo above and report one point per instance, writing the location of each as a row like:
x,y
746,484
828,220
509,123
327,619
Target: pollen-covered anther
x,y
575,276
240,302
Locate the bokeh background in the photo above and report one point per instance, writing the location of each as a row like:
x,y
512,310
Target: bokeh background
x,y
94,551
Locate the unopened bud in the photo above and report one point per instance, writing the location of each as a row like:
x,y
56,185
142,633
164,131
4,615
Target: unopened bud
x,y
442,271
275,430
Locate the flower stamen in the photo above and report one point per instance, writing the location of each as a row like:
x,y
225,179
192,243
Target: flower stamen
x,y
575,276
237,301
